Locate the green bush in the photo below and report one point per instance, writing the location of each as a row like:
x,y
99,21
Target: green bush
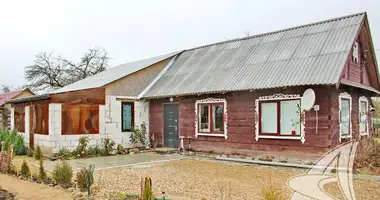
x,y
25,171
38,153
120,149
81,149
138,135
62,174
107,146
82,178
13,138
64,153
42,174
94,151
30,152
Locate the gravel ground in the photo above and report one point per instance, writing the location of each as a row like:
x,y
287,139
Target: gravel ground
x,y
196,179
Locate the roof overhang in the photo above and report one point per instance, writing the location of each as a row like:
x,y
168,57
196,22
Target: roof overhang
x,y
358,85
29,98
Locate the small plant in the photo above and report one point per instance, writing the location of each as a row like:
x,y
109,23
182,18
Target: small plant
x,y
90,180
147,192
30,152
15,139
120,149
5,162
64,153
25,171
271,192
42,174
107,146
81,149
94,151
138,135
62,174
367,155
81,178
38,153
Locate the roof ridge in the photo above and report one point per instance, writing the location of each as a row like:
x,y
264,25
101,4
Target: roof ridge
x,y
278,31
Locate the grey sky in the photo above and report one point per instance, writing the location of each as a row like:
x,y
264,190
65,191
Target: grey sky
x,y
132,30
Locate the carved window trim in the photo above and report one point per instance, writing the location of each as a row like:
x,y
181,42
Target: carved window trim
x,y
344,95
364,99
212,101
279,96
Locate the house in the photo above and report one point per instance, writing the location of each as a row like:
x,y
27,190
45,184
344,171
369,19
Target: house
x,y
100,105
5,109
246,94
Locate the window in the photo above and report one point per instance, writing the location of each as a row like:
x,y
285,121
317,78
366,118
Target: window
x,y
345,104
280,117
210,117
127,116
363,112
80,119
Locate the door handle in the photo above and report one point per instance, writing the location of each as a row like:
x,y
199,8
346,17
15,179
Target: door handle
x,y
175,127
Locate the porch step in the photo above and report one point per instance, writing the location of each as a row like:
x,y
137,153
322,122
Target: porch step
x,y
165,150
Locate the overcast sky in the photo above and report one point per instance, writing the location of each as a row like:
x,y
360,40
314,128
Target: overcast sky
x,y
132,30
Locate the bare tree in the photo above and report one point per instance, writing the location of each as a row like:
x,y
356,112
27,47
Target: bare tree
x,y
51,72
5,88
247,33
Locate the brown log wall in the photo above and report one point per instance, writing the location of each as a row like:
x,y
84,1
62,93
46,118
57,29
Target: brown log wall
x,y
241,122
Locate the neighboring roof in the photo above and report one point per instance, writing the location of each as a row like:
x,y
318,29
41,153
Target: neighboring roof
x,y
29,98
313,54
10,95
112,74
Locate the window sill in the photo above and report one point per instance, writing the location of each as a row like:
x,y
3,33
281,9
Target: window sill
x,y
280,137
364,134
346,136
212,135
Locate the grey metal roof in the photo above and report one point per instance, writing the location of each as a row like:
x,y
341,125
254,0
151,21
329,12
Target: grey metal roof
x,y
112,74
312,54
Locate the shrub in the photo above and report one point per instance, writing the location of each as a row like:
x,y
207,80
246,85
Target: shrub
x,y
82,178
81,149
13,138
38,153
107,146
42,174
5,162
367,155
30,152
138,135
25,171
62,174
271,192
94,151
64,153
120,149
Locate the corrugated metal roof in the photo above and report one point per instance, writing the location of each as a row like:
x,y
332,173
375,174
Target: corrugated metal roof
x,y
112,74
312,54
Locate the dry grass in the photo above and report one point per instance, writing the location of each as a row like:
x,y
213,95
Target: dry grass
x,y
32,163
194,180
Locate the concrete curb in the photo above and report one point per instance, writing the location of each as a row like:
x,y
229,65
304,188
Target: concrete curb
x,y
294,165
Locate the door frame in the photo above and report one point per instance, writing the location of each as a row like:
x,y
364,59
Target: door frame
x,y
163,123
32,111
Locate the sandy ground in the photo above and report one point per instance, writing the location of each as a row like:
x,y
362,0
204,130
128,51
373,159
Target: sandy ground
x,y
195,179
25,190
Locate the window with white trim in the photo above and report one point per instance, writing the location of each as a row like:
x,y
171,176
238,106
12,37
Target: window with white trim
x,y
363,114
345,105
280,117
211,117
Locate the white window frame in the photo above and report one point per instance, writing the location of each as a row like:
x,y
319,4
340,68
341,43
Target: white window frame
x,y
363,99
344,95
211,101
279,97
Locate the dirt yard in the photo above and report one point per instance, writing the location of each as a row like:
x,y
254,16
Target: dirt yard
x,y
24,190
195,179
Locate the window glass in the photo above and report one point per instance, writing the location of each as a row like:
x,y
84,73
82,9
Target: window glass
x,y
269,117
363,116
204,118
127,109
218,117
345,116
290,117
